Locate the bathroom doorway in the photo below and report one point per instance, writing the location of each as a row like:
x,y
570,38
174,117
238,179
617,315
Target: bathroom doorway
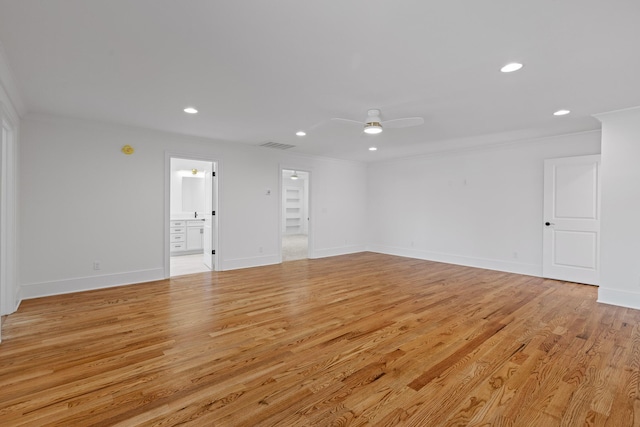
x,y
295,214
192,228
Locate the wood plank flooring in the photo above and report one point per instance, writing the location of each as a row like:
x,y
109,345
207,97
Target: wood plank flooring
x,y
363,339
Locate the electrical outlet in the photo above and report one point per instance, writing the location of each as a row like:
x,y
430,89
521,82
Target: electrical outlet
x,y
96,265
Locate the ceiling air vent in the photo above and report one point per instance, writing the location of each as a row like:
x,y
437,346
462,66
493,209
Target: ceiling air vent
x,y
277,145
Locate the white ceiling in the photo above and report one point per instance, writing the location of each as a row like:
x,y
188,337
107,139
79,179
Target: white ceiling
x,y
260,70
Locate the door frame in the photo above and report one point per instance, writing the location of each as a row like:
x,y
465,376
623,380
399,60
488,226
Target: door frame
x,y
217,185
309,208
9,293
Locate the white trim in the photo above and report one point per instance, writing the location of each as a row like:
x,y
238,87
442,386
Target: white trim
x,y
619,298
445,148
339,250
19,298
485,263
630,110
10,298
81,284
238,263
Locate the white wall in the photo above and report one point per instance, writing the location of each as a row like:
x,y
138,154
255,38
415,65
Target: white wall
x,y
481,207
82,200
620,225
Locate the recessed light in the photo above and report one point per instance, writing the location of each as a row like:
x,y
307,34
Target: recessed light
x,y
301,133
190,110
511,67
373,148
561,113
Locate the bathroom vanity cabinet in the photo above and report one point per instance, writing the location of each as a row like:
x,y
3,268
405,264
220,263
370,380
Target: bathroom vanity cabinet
x,y
186,236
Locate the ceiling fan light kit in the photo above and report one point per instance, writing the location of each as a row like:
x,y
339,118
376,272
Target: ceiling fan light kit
x,y
373,124
372,128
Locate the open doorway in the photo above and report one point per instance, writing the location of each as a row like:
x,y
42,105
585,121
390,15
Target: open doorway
x,y
192,222
295,214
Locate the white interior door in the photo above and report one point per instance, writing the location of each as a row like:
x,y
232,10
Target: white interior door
x,y
208,239
571,240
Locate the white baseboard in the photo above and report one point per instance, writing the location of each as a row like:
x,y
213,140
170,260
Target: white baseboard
x,y
238,263
12,307
57,287
488,264
36,290
341,250
620,298
19,299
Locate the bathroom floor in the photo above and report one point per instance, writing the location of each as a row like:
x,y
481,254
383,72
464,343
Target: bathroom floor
x,y
187,264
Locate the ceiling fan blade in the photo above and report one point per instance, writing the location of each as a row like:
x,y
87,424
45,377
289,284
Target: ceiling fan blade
x,y
337,119
403,123
317,125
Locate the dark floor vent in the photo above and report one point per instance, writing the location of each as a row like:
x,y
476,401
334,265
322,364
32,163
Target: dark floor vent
x,y
277,145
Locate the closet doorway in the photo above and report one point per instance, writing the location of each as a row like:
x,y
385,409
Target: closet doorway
x,y
295,214
192,227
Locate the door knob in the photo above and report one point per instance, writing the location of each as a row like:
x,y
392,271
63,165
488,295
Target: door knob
x,y
548,223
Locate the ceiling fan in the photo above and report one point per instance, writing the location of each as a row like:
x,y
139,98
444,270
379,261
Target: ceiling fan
x,y
373,124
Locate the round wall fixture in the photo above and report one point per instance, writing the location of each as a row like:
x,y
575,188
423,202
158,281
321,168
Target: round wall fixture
x,y
127,149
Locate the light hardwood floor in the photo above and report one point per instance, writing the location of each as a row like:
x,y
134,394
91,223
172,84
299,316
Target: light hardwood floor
x,y
363,339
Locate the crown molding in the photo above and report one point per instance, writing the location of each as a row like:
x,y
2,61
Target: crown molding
x,y
615,113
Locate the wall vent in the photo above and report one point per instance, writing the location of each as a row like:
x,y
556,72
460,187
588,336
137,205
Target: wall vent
x,y
277,145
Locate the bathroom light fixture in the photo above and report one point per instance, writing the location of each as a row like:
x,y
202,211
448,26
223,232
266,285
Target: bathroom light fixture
x,y
294,176
301,133
561,113
190,173
511,67
373,148
190,110
372,128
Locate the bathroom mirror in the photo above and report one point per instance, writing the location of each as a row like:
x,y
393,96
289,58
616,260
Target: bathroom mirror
x,y
192,194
